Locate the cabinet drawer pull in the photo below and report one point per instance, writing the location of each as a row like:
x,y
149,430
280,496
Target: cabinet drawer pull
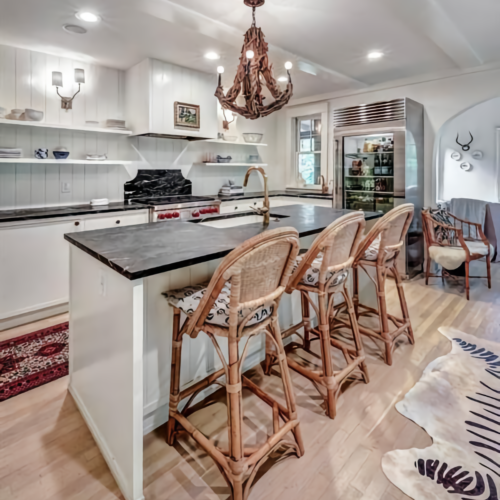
x,y
236,208
77,223
118,222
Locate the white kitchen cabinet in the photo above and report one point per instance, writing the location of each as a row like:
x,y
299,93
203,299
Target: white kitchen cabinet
x,y
34,263
121,219
243,205
34,266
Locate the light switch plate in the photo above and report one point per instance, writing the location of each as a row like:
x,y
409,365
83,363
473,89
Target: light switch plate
x,y
65,187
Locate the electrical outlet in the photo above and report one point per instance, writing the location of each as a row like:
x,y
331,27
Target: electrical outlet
x,y
65,187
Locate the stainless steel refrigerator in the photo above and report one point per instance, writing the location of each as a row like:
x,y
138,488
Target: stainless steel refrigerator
x,y
379,164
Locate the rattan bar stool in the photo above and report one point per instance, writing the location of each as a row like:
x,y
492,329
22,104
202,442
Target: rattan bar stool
x,y
380,249
323,271
241,301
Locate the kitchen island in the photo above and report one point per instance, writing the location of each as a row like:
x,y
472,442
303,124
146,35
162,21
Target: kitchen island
x,y
120,324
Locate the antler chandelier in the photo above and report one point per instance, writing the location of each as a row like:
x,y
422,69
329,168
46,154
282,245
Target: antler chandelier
x,y
254,71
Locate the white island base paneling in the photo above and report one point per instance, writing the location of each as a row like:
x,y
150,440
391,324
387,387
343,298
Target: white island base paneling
x,y
120,355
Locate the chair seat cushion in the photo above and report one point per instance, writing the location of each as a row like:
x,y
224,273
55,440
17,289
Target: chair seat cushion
x,y
187,299
311,277
372,251
453,257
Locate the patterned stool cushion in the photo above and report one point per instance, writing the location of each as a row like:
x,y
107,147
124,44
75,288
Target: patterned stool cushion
x,y
372,251
311,277
188,299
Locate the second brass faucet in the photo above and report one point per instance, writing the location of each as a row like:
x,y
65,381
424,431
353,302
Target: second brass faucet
x,y
265,210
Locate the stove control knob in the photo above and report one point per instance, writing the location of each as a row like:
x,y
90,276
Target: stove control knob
x,y
196,213
214,210
168,216
176,215
202,211
161,216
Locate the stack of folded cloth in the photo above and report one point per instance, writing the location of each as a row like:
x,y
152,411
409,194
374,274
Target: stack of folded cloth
x,y
119,124
11,152
230,190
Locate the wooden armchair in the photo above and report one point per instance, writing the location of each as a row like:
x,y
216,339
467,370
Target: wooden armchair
x,y
451,242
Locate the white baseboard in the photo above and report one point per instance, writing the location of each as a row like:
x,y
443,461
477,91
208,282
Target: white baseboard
x,y
32,316
106,453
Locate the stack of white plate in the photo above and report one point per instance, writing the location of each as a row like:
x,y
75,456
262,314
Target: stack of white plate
x,y
119,124
97,157
11,153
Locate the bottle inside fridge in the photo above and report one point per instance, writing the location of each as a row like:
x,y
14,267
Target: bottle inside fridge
x,y
368,171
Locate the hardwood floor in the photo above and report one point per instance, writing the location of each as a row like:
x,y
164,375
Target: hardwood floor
x,y
47,452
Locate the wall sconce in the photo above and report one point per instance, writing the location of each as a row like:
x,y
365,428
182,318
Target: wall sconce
x,y
57,81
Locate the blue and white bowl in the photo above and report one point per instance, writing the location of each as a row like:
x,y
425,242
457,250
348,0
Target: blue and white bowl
x,y
41,153
60,155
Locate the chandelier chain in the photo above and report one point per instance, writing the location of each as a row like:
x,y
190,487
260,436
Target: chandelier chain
x,y
253,17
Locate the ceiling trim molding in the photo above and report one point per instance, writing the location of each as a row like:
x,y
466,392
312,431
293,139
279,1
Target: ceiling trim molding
x,y
396,84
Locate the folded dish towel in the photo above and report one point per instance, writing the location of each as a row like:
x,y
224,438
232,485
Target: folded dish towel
x,y
100,201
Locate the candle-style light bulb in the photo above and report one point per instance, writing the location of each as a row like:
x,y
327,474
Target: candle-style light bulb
x,y
288,65
220,70
250,54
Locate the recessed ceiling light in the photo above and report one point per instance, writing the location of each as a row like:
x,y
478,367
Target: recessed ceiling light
x,y
88,17
283,79
73,28
212,55
375,54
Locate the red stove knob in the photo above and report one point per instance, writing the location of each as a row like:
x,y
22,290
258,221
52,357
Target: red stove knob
x,y
202,211
161,216
168,215
214,210
196,214
176,215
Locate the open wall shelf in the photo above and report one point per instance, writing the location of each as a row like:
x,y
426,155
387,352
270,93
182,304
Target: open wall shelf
x,y
74,128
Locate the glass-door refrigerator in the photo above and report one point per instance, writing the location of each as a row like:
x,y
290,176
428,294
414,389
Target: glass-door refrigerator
x,y
379,165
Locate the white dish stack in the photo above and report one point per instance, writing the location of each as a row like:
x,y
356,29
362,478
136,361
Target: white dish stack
x,y
97,157
11,152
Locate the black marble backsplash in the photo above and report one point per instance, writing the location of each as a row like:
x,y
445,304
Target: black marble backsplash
x,y
157,183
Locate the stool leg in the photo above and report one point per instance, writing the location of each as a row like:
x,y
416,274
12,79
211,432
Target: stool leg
x,y
236,452
355,333
355,290
326,357
174,376
287,385
488,269
270,357
404,305
467,286
427,270
306,317
384,320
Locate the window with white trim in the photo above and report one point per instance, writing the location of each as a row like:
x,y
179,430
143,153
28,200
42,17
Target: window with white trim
x,y
308,150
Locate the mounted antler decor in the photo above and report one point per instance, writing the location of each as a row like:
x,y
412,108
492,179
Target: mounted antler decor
x,y
465,147
254,70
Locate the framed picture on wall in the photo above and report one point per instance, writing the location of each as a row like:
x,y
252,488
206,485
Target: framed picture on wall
x,y
186,115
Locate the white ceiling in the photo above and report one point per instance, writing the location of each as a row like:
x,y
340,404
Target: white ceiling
x,y
328,37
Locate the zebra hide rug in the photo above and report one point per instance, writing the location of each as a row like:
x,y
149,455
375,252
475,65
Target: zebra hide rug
x,y
457,401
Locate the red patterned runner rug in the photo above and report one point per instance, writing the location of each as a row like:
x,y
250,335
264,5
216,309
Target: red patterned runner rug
x,y
33,360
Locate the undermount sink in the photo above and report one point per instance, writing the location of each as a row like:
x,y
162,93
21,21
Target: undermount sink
x,y
234,220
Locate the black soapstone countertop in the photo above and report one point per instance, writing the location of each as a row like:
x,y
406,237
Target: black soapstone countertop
x,y
25,214
147,249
